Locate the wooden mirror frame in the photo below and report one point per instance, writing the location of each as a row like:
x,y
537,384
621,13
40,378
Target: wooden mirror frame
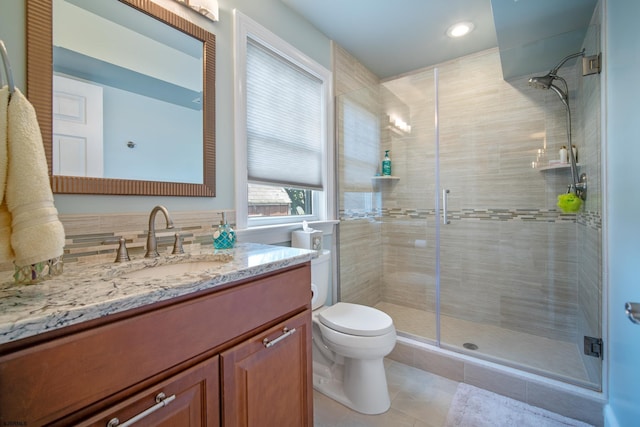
x,y
40,87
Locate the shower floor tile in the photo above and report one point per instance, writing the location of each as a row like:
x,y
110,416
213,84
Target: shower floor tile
x,y
543,355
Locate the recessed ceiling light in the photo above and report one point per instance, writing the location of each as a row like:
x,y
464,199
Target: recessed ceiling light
x,y
460,29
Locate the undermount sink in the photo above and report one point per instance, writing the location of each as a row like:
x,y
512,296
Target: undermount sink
x,y
173,269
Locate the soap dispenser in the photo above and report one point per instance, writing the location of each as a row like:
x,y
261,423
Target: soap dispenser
x,y
224,237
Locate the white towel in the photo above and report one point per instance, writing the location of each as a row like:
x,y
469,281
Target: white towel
x,y
37,234
6,254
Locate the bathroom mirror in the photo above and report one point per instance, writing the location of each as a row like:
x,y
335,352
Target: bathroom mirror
x,y
154,75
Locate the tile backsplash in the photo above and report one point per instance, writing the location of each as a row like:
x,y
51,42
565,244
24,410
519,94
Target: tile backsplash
x,y
95,237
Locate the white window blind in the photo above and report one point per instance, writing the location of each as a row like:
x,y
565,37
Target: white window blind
x,y
284,121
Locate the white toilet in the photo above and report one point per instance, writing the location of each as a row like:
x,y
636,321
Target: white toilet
x,y
349,344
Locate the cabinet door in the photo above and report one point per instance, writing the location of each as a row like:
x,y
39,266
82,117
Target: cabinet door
x,y
267,379
190,398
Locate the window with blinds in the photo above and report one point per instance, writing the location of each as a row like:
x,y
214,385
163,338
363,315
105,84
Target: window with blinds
x,y
284,121
283,125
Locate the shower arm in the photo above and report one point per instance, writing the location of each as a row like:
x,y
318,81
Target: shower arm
x,y
554,70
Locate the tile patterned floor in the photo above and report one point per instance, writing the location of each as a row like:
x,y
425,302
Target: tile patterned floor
x,y
418,399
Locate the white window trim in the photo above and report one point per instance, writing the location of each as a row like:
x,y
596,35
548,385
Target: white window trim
x,y
245,27
281,233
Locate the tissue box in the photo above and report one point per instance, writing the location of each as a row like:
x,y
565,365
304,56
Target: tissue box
x,y
307,239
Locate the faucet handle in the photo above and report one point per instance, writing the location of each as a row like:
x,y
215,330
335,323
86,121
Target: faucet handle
x,y
177,245
123,254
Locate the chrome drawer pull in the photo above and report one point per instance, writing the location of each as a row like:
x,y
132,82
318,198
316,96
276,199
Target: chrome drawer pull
x,y
285,333
162,400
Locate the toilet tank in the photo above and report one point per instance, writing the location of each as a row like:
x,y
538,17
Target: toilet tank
x,y
320,279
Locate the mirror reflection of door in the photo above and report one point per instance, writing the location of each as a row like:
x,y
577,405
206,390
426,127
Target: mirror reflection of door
x,y
152,80
77,128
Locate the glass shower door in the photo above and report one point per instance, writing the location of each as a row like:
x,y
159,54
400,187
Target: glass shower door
x,y
387,240
409,276
510,287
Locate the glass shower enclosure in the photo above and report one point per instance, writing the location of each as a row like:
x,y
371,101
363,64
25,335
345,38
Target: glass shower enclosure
x,y
463,245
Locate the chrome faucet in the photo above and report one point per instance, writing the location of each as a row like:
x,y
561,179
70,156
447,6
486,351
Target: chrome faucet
x,y
152,243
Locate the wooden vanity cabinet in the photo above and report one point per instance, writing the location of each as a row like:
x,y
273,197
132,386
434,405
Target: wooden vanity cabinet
x,y
207,350
275,363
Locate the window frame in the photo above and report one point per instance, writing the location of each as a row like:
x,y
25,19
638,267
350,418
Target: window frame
x,y
288,219
323,202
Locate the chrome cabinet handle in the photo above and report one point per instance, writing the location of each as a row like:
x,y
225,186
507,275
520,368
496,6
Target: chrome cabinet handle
x,y
632,310
285,333
445,199
162,401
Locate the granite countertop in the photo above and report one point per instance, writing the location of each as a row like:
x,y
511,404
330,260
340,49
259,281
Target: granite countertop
x,y
89,291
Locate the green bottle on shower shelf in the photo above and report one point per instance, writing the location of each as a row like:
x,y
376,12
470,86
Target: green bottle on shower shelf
x,y
386,164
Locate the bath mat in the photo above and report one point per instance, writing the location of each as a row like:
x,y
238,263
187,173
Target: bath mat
x,y
475,407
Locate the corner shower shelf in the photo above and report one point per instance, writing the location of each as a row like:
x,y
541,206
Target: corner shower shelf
x,y
560,166
385,178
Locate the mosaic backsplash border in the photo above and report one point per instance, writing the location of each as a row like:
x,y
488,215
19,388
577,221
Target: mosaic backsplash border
x,y
589,219
94,238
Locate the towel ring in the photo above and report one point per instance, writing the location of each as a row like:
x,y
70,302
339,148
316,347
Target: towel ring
x,y
7,67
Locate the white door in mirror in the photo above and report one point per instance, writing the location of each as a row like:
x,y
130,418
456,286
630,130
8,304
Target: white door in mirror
x,y
77,128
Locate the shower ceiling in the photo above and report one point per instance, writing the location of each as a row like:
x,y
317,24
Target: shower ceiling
x,y
395,37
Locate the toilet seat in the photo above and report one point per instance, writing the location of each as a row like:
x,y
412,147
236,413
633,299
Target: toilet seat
x,y
356,319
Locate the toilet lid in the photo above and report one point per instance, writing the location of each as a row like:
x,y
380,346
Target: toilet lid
x,y
355,319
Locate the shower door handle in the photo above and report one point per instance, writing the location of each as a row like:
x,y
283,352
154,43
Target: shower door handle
x,y
632,310
445,199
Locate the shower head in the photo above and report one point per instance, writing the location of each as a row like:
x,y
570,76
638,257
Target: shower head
x,y
542,82
546,82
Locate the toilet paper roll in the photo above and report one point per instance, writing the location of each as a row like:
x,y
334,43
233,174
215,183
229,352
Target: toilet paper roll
x,y
314,294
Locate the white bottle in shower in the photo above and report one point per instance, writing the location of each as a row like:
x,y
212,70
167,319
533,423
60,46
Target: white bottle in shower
x,y
563,154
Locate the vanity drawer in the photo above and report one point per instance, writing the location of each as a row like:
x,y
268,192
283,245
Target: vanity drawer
x,y
45,382
190,398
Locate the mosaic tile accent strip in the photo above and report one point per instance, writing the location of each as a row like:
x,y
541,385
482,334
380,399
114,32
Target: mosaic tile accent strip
x,y
85,247
95,238
358,214
589,219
